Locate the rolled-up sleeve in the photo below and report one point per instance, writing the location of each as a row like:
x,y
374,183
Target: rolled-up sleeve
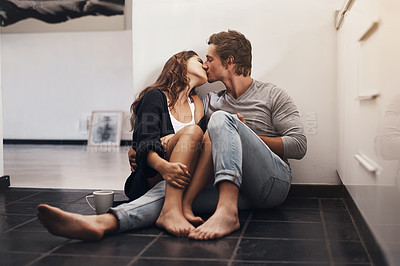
x,y
286,120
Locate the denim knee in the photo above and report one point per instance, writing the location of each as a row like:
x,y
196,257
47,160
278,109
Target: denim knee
x,y
218,120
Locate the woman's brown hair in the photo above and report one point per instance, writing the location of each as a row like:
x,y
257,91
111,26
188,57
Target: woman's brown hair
x,y
172,80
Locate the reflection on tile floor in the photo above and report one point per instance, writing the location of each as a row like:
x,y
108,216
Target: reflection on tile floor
x,y
303,231
66,166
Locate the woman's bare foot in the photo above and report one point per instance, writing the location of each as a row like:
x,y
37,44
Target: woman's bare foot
x,y
174,222
76,226
188,214
220,224
195,220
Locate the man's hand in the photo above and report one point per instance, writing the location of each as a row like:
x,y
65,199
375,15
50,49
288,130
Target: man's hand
x,y
241,118
132,159
274,143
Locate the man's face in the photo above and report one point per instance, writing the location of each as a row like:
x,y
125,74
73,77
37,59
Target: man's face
x,y
213,65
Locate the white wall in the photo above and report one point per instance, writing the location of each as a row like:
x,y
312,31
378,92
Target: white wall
x,y
372,127
53,81
294,46
1,120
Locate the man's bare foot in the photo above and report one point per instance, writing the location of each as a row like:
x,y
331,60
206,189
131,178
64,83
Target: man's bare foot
x,y
220,224
188,214
174,222
76,226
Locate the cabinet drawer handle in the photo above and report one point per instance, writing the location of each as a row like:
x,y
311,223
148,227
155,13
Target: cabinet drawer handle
x,y
368,164
368,96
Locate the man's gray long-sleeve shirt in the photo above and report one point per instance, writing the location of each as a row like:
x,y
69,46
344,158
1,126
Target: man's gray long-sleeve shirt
x,y
268,111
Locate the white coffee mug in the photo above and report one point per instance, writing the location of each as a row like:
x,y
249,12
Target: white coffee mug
x,y
103,200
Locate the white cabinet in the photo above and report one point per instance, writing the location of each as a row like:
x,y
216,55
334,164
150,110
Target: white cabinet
x,y
367,90
369,116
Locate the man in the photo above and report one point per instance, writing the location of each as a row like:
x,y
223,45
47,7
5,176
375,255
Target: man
x,y
250,150
254,128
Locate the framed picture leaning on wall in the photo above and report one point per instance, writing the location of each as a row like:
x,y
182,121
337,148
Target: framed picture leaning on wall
x,y
105,128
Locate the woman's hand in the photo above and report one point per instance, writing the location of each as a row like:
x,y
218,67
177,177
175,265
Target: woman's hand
x,y
165,140
175,174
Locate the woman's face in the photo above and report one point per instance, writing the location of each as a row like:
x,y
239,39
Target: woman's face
x,y
196,72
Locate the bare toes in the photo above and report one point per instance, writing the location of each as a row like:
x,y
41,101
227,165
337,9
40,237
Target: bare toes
x,y
197,221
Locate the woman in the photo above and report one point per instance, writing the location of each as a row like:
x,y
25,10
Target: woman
x,y
166,137
168,144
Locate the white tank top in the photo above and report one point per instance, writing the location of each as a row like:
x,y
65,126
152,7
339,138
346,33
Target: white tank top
x,y
179,125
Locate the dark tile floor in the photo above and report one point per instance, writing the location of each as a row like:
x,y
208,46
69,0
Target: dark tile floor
x,y
305,230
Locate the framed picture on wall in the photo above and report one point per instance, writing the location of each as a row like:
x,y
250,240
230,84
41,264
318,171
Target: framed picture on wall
x,y
105,128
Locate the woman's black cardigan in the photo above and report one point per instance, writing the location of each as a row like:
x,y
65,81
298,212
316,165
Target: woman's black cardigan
x,y
152,122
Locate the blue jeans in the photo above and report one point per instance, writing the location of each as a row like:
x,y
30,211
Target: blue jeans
x,y
239,156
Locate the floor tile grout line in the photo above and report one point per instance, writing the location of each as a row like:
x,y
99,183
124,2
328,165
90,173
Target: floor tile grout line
x,y
168,235
81,198
315,198
142,235
21,252
327,242
88,255
240,238
282,221
305,262
47,253
299,209
184,259
17,214
31,231
358,233
16,201
144,249
289,262
265,238
296,239
17,226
